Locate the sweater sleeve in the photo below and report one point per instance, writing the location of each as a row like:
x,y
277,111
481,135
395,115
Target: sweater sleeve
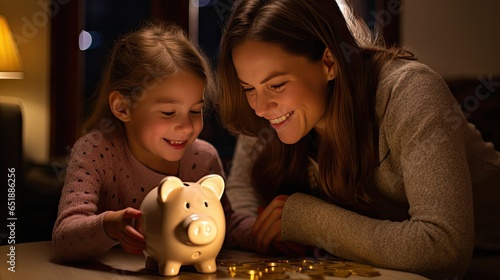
x,y
425,134
242,196
78,232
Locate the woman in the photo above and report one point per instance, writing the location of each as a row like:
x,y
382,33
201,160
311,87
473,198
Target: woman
x,y
349,146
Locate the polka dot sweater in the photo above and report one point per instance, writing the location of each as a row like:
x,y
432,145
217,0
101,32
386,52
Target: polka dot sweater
x,y
103,175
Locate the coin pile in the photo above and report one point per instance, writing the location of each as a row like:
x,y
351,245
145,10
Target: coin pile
x,y
296,269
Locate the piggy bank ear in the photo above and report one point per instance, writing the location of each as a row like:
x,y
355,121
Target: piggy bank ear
x,y
214,182
167,185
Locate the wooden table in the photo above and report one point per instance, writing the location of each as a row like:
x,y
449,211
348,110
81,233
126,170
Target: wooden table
x,y
38,261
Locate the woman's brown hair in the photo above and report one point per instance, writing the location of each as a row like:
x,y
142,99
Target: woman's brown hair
x,y
347,150
141,59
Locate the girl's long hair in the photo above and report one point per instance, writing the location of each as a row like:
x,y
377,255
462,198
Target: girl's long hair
x,y
141,59
346,152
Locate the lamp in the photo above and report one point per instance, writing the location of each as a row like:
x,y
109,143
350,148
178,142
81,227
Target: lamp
x,y
10,61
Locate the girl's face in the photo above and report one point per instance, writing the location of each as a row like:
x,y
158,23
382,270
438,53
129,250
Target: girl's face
x,y
165,119
289,91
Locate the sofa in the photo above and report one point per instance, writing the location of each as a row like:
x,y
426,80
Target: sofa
x,y
36,187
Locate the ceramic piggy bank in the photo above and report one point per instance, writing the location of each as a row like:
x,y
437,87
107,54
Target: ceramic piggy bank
x,y
183,224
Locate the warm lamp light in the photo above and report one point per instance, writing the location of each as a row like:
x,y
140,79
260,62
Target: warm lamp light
x,y
10,61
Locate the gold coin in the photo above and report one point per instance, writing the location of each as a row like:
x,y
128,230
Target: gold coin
x,y
360,265
365,272
335,265
274,270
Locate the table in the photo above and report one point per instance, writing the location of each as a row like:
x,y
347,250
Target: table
x,y
37,260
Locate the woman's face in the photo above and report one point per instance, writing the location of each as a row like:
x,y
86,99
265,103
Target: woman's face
x,y
289,91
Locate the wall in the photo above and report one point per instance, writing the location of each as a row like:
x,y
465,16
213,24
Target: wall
x,y
457,38
29,21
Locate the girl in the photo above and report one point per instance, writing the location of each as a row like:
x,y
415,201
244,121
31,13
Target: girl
x,y
350,146
144,125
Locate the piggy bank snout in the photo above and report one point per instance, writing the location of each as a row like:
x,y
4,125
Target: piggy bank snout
x,y
201,230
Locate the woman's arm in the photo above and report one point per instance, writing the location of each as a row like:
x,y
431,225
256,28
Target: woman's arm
x,y
425,136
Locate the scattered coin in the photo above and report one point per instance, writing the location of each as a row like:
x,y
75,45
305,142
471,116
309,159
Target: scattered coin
x,y
297,269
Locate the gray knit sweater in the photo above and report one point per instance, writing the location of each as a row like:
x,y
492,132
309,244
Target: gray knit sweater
x,y
434,168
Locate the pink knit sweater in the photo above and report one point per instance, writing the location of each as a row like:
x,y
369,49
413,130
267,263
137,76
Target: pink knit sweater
x,y
103,175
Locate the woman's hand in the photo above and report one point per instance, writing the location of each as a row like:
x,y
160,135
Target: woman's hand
x,y
267,226
118,225
266,231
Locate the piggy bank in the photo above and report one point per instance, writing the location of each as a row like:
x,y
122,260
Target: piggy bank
x,y
183,224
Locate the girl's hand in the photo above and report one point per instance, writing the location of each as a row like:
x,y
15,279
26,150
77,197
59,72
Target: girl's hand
x,y
118,225
267,226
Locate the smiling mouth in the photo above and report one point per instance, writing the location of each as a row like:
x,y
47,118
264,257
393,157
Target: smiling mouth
x,y
175,142
281,119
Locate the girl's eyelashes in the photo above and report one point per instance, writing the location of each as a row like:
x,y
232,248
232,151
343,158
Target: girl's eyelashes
x,y
168,114
171,114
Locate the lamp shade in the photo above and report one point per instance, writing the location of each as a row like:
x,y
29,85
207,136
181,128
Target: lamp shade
x,y
10,61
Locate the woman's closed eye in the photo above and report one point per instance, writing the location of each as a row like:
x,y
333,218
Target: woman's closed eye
x,y
247,90
277,87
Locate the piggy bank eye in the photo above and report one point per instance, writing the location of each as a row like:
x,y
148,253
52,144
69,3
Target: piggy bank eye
x,y
206,204
187,205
